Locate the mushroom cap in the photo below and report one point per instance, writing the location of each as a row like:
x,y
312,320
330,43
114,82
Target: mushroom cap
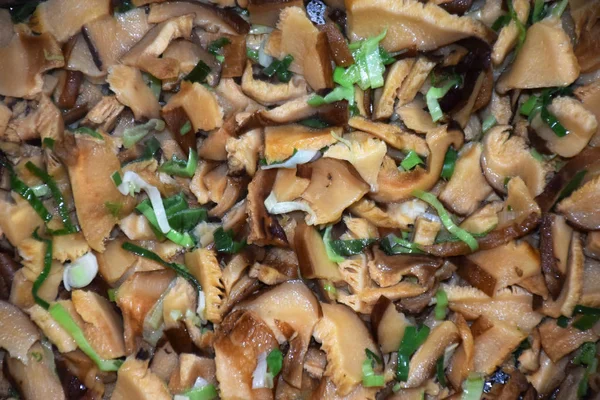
x,y
581,207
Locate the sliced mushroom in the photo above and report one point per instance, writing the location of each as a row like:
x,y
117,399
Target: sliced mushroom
x,y
111,37
589,95
508,36
242,152
288,186
590,295
392,135
104,114
579,122
25,58
388,325
190,368
493,346
272,93
281,141
369,210
557,342
145,53
388,271
264,229
294,304
415,117
406,21
239,342
506,156
130,89
423,362
17,218
203,264
549,375
580,207
18,333
194,96
52,330
268,12
546,59
309,47
397,74
555,241
136,381
586,50
103,327
344,338
334,185
312,257
461,363
467,186
396,186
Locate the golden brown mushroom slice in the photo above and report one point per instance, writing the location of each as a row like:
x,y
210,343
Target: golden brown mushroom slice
x,y
190,368
110,37
549,375
36,378
392,135
90,174
270,94
344,337
52,330
145,53
203,264
397,74
580,123
410,24
25,58
64,18
312,257
264,229
388,325
555,241
581,207
242,338
557,342
17,218
509,34
193,97
334,186
505,156
136,381
589,95
18,333
267,12
545,60
132,91
281,141
294,304
309,47
492,346
467,186
396,186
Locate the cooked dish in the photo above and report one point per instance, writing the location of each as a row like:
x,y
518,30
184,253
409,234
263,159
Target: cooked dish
x,y
287,199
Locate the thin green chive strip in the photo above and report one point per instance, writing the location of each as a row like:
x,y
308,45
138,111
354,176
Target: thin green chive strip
x,y
447,220
181,270
331,254
441,305
180,167
449,163
435,93
411,160
19,187
39,281
370,378
413,338
56,194
84,130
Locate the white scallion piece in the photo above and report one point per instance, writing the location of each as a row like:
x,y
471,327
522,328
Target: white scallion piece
x,y
301,157
274,207
80,272
260,377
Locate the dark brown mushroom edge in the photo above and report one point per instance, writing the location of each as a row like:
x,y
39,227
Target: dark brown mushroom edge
x,y
299,199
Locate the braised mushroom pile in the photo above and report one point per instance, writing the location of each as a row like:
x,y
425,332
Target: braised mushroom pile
x,y
289,199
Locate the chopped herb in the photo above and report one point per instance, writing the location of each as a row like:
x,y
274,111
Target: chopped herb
x,y
472,387
447,220
553,122
488,123
588,317
37,356
562,321
439,371
206,392
252,54
329,288
133,135
41,190
369,66
587,356
386,58
186,220
20,13
501,22
559,8
537,155
181,270
314,123
186,128
441,305
436,93
19,187
280,68
520,26
39,281
112,295
413,338
538,12
331,254
116,178
113,208
182,239
199,73
224,242
180,167
216,45
337,94
124,6
49,143
370,378
84,130
274,362
572,185
392,244
411,160
539,105
449,163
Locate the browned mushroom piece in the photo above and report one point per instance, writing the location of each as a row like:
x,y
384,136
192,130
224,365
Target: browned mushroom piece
x,y
388,325
405,21
280,141
264,229
392,135
509,34
398,73
130,89
589,95
555,240
580,208
557,342
494,344
549,376
345,352
267,12
203,264
18,334
272,93
136,380
194,96
587,46
189,368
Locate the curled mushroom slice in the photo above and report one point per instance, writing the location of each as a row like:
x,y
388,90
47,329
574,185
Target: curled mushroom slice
x,y
18,333
388,325
581,208
493,346
508,36
506,156
549,375
312,256
406,21
577,120
392,135
264,229
344,338
129,86
555,240
546,59
282,141
272,93
191,97
396,186
557,342
204,266
398,73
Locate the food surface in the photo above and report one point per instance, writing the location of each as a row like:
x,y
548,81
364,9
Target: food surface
x,y
299,200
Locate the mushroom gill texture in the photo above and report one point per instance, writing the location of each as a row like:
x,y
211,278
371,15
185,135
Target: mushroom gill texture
x,y
580,208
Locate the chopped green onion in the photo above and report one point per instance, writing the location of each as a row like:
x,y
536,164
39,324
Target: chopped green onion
x,y
206,392
114,208
21,12
116,178
439,371
587,356
181,270
435,93
331,254
413,338
449,163
538,11
124,6
314,123
252,54
112,295
501,22
216,45
553,122
329,288
520,26
535,154
489,123
447,220
337,94
224,242
411,160
370,378
441,305
559,8
80,272
49,143
562,321
133,135
37,356
368,61
180,167
347,248
392,244
274,362
572,185
529,106
589,317
472,387
19,187
84,130
386,58
186,220
56,194
64,319
39,281
199,73
182,239
187,127
280,67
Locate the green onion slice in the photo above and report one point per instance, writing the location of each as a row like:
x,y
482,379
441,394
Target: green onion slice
x,y
411,160
413,338
39,281
472,387
441,305
199,73
435,93
392,244
133,135
224,242
274,361
84,130
447,220
180,167
489,123
331,253
19,187
449,163
439,371
370,378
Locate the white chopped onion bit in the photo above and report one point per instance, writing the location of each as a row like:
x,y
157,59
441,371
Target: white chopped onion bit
x,y
260,377
133,183
80,272
200,383
274,207
301,157
201,306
